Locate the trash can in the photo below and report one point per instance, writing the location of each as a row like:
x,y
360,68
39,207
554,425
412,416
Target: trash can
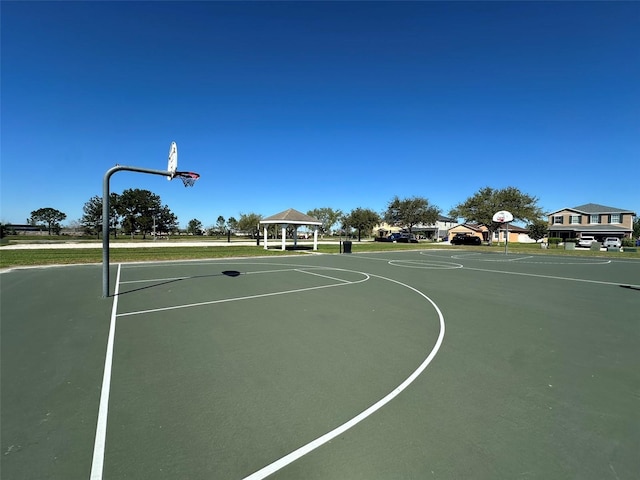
x,y
346,246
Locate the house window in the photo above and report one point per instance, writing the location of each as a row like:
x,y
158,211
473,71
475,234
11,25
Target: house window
x,y
615,218
575,219
557,219
595,218
496,235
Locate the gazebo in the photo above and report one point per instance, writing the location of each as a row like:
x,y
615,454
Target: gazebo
x,y
290,217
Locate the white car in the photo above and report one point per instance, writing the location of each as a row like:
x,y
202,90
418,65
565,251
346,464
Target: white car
x,y
612,242
586,241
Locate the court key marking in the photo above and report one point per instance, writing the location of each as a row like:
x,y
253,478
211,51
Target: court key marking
x,y
327,437
100,441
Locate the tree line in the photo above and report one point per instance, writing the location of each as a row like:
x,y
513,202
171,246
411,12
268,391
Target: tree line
x,y
141,211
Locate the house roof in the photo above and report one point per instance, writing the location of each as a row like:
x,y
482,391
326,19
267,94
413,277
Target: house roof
x,y
471,226
589,208
517,229
291,216
479,228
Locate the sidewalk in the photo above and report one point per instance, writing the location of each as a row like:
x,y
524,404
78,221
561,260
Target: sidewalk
x,y
150,244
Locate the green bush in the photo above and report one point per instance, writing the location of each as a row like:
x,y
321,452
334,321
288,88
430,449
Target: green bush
x,y
554,241
628,242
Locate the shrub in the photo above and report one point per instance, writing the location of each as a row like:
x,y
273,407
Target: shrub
x,y
628,242
554,241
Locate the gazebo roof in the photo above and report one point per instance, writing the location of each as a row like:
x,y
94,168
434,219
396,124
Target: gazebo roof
x,y
292,217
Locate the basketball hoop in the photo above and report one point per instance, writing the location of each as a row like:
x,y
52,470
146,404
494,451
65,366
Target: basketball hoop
x,y
188,178
503,217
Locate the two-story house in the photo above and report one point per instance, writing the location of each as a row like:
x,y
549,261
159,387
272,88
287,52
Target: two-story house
x,y
591,219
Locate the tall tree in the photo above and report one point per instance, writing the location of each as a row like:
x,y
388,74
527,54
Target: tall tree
x,y
328,216
248,223
481,207
538,229
409,212
50,216
221,224
139,208
194,227
166,221
362,219
91,219
92,216
114,213
232,224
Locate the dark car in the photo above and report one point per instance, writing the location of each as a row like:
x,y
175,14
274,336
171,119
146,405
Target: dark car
x,y
465,239
402,238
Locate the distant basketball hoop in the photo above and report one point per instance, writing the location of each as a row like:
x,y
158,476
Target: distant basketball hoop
x,y
503,217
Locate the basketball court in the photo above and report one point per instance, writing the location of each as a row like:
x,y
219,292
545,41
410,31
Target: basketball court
x,y
416,364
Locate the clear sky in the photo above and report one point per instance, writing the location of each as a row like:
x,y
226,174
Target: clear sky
x,y
319,104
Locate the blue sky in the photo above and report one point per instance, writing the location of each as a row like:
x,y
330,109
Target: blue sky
x,y
319,104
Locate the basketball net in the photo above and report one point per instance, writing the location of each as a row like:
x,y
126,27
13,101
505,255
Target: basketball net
x,y
188,178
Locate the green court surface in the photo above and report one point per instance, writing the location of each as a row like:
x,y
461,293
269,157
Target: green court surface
x,y
397,365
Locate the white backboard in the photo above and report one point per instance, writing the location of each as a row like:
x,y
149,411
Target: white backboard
x,y
503,217
172,164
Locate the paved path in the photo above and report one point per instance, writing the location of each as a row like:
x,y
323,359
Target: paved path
x,y
151,244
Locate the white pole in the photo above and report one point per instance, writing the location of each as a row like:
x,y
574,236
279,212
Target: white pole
x,y
265,236
506,239
284,236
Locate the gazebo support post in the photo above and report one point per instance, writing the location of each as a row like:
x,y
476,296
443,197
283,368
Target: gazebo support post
x,y
284,236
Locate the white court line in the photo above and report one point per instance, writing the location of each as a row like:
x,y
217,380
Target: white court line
x,y
485,257
327,437
169,279
147,280
601,282
236,299
97,465
519,258
425,264
323,276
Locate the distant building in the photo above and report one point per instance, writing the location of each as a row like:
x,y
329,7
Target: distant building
x,y
592,219
516,234
437,231
24,229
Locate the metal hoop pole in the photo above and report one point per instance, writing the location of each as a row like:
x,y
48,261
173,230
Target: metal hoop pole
x,y
106,219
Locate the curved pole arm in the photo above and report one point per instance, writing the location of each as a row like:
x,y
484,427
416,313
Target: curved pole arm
x,y
106,219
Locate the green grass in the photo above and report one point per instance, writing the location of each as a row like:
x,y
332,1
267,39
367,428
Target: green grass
x,y
31,257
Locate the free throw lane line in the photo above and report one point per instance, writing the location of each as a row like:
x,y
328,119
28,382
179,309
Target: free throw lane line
x,y
248,297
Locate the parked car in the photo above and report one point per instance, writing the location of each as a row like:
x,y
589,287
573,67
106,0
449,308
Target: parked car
x,y
465,239
612,242
403,238
586,241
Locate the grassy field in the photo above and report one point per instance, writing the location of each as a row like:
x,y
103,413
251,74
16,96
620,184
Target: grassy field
x,y
53,256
